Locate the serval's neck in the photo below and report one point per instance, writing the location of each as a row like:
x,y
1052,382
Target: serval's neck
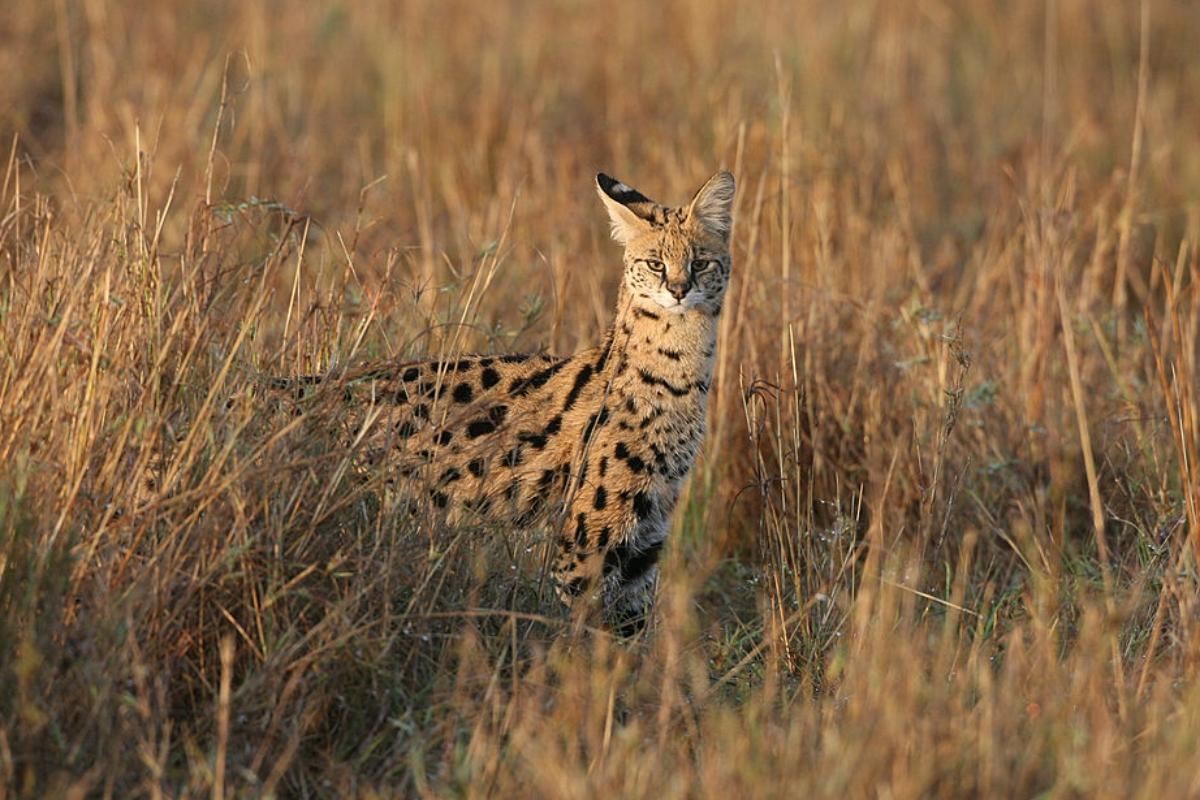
x,y
657,344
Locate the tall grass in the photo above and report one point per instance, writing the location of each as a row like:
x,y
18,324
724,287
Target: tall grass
x,y
942,541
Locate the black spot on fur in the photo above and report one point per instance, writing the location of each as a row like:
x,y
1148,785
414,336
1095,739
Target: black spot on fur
x,y
644,313
463,393
523,386
515,358
439,499
580,529
654,380
514,457
643,506
603,359
581,380
575,586
421,411
596,420
535,440
660,457
410,374
583,471
489,378
497,414
450,476
476,467
406,429
480,427
601,498
554,425
673,355
444,437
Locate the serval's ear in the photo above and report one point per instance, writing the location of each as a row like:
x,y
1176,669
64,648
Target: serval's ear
x,y
631,211
712,207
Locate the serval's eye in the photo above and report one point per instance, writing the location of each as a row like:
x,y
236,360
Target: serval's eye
x,y
702,265
657,267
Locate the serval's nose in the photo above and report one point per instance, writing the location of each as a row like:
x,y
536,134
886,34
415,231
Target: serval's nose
x,y
678,289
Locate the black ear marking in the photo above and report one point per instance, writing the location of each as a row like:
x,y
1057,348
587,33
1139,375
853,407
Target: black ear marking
x,y
622,193
629,211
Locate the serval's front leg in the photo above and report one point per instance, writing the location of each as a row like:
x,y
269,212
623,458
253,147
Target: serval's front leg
x,y
613,537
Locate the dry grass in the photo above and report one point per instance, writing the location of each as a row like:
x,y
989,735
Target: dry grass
x,y
943,539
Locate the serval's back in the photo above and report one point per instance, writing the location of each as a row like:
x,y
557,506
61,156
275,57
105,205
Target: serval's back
x,y
596,443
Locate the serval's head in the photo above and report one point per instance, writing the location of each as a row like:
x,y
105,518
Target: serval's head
x,y
676,259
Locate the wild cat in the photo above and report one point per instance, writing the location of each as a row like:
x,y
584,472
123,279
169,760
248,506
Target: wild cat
x,y
595,444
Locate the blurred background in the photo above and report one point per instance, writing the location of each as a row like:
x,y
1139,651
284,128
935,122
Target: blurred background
x,y
463,113
938,543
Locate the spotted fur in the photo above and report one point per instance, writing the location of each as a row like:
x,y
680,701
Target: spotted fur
x,y
597,443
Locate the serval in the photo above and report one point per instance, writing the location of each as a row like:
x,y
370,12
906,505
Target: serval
x,y
595,445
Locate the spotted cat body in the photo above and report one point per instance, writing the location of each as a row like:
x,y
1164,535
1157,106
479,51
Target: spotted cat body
x,y
597,443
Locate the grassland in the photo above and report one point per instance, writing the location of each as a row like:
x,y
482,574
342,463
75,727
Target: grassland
x,y
943,539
